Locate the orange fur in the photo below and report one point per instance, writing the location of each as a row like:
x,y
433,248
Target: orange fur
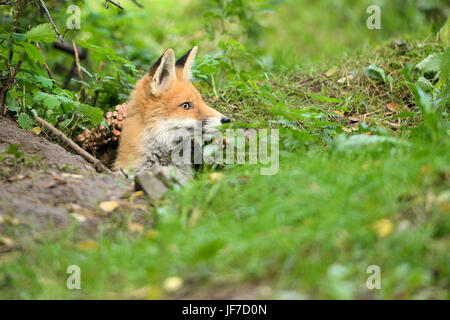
x,y
145,110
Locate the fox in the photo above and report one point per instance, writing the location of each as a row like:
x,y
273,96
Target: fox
x,y
164,102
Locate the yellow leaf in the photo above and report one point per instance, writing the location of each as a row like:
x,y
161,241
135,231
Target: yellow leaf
x,y
109,206
136,227
215,177
37,130
10,220
393,106
172,284
338,112
331,72
136,194
348,130
383,227
6,241
88,245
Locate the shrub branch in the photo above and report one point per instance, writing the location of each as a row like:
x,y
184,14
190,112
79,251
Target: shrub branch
x,y
60,38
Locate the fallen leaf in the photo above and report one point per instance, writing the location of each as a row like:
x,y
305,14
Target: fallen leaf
x,y
7,241
136,227
136,194
383,227
78,217
348,130
172,284
393,106
88,245
338,112
331,72
345,79
215,177
109,206
10,220
37,130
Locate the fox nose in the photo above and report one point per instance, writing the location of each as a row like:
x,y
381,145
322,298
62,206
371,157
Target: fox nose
x,y
225,120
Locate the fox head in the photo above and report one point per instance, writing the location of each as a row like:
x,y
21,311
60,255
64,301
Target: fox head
x,y
164,104
170,95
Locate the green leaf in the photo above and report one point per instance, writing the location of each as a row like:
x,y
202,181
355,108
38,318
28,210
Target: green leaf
x,y
14,150
19,37
94,114
431,64
25,122
43,32
375,73
444,34
48,100
46,82
33,52
445,67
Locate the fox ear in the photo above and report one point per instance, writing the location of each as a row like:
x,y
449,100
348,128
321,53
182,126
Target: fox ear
x,y
163,73
186,62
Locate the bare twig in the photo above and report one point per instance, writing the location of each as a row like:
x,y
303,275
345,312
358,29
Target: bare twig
x,y
138,4
80,73
14,28
99,166
50,74
60,38
117,4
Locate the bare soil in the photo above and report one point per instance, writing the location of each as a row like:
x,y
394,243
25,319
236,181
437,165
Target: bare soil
x,y
50,186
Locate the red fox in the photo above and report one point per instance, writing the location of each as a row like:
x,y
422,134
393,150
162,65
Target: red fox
x,y
163,102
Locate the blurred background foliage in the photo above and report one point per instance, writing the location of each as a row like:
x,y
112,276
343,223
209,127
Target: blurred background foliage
x,y
238,40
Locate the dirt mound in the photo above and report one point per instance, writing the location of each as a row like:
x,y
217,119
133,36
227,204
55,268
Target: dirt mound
x,y
48,185
31,144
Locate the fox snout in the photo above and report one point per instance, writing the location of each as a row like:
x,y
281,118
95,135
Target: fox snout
x,y
224,120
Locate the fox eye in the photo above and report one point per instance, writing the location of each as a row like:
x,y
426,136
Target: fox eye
x,y
186,106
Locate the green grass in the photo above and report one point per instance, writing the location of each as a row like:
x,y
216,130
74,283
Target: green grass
x,y
311,229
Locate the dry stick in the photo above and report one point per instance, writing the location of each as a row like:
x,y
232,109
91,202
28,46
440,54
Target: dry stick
x,y
51,20
114,3
138,4
50,74
80,73
99,166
